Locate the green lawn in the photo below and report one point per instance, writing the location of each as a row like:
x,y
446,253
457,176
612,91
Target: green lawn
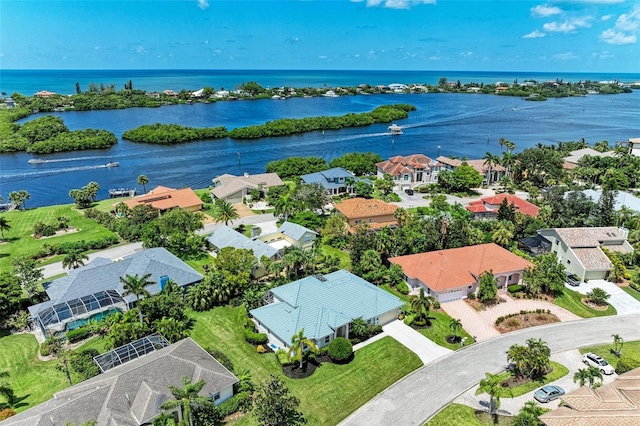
x,y
439,330
20,241
629,349
559,371
635,294
462,415
345,260
572,301
333,391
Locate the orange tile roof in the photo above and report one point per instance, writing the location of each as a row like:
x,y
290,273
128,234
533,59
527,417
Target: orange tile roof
x,y
521,205
397,165
163,198
356,208
452,268
44,94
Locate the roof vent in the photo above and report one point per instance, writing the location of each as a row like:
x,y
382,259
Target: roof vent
x,y
320,277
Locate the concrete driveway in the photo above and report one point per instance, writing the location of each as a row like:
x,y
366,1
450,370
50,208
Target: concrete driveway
x,y
426,349
622,301
511,406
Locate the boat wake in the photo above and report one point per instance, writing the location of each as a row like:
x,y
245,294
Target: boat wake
x,y
52,171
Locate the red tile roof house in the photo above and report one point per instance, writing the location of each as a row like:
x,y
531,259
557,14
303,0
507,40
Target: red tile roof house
x,y
452,274
371,212
164,199
487,207
409,171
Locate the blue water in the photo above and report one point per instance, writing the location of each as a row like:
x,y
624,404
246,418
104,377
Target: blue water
x,y
449,124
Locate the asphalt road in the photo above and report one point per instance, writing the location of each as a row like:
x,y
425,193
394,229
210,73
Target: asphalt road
x,y
420,395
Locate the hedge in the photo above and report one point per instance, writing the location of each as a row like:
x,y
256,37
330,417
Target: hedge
x,y
340,349
77,334
514,288
45,349
238,402
626,364
255,338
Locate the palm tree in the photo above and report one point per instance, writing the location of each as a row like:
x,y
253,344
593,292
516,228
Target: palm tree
x,y
223,211
284,206
491,385
6,390
582,376
594,375
490,160
455,325
503,233
298,343
186,398
519,355
359,327
4,226
617,344
420,304
132,284
538,357
74,259
143,180
502,141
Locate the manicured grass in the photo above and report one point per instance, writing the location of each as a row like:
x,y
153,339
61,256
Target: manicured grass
x,y
333,391
33,381
269,210
572,301
439,330
20,241
96,343
345,260
559,371
404,297
462,415
633,293
198,264
629,349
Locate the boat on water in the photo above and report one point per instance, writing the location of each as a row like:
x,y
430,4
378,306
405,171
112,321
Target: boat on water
x,y
112,164
36,161
395,129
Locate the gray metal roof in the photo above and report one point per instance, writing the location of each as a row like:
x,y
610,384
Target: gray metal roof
x,y
130,394
323,177
294,230
225,236
622,198
102,274
319,306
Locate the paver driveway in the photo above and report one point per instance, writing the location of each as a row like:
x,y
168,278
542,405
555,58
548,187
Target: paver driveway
x,y
481,323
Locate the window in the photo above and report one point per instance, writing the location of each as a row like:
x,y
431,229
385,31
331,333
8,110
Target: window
x,y
327,340
216,396
557,242
307,238
406,178
568,262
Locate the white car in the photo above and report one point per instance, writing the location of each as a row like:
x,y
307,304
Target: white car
x,y
594,360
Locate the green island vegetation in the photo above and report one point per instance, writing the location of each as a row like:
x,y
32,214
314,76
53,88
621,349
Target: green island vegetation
x,y
172,133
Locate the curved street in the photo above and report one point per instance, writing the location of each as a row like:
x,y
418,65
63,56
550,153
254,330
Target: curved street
x,y
420,395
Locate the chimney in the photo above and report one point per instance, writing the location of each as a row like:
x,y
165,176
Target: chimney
x,y
162,281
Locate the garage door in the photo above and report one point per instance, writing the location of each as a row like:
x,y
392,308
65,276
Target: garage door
x,y
449,297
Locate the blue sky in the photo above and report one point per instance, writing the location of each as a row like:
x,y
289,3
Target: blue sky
x,y
482,35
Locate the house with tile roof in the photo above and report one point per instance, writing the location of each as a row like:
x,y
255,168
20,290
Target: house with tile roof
x,y
571,161
234,189
164,199
613,404
334,180
409,171
371,212
491,174
452,274
95,290
44,94
579,249
324,306
131,394
487,207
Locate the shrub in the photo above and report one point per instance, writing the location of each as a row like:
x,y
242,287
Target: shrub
x,y
261,349
82,363
41,229
45,349
6,413
375,329
626,364
420,322
513,322
238,402
340,349
283,357
255,338
514,288
77,334
222,359
409,319
402,287
436,304
472,296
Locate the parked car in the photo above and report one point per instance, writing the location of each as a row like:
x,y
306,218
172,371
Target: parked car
x,y
409,191
594,360
572,280
548,393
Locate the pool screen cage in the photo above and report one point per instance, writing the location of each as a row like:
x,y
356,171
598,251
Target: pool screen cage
x,y
130,351
57,316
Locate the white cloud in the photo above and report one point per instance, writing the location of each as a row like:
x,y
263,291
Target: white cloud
x,y
203,4
596,1
545,10
398,4
568,26
625,29
567,56
534,34
606,17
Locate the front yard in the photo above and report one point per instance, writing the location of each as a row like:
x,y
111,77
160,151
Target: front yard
x,y
462,415
629,349
572,301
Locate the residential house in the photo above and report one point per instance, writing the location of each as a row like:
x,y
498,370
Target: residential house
x,y
164,199
95,290
170,92
372,212
491,174
324,306
334,181
44,94
580,249
234,189
487,207
453,274
634,146
291,234
616,403
131,394
10,103
409,171
571,161
621,199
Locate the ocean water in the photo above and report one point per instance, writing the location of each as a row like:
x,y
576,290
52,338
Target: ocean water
x,y
448,124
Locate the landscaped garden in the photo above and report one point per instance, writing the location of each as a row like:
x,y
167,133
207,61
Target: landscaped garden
x,y
573,301
518,386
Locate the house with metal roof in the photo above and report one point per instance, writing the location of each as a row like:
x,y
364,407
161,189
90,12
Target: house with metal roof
x,y
324,306
334,181
580,249
95,290
290,234
131,394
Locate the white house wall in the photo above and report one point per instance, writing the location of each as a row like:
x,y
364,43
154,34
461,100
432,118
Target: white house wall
x,y
225,394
